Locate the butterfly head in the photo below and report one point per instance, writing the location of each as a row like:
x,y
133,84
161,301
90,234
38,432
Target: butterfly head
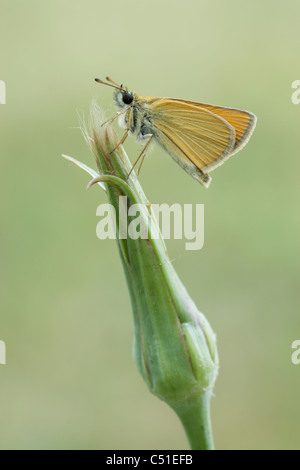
x,y
122,96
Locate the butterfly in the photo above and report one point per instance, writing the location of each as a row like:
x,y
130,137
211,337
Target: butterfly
x,y
199,137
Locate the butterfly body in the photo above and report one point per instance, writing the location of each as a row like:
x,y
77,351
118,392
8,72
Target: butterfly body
x,y
141,116
199,137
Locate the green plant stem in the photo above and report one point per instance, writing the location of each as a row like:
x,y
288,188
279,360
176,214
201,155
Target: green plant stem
x,y
195,418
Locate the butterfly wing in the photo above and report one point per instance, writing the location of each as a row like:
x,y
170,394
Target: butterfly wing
x,y
244,122
196,138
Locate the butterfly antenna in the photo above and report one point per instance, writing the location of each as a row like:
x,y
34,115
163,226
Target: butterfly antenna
x,y
111,81
113,84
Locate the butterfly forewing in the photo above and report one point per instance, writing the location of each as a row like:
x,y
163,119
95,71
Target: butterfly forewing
x,y
243,121
195,133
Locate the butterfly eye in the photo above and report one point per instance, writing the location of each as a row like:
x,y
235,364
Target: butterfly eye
x,y
127,97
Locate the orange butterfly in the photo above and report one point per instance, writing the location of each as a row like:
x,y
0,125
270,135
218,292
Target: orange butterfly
x,y
198,136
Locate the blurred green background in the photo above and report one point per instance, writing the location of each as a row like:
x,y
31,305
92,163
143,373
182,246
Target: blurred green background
x,y
70,381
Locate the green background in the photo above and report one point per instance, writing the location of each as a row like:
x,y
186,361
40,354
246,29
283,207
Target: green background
x,y
70,381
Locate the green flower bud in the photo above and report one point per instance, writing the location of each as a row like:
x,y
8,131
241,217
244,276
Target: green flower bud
x,y
174,345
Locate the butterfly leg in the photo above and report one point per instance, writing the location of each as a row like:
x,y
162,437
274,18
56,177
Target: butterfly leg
x,y
142,154
115,116
126,132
